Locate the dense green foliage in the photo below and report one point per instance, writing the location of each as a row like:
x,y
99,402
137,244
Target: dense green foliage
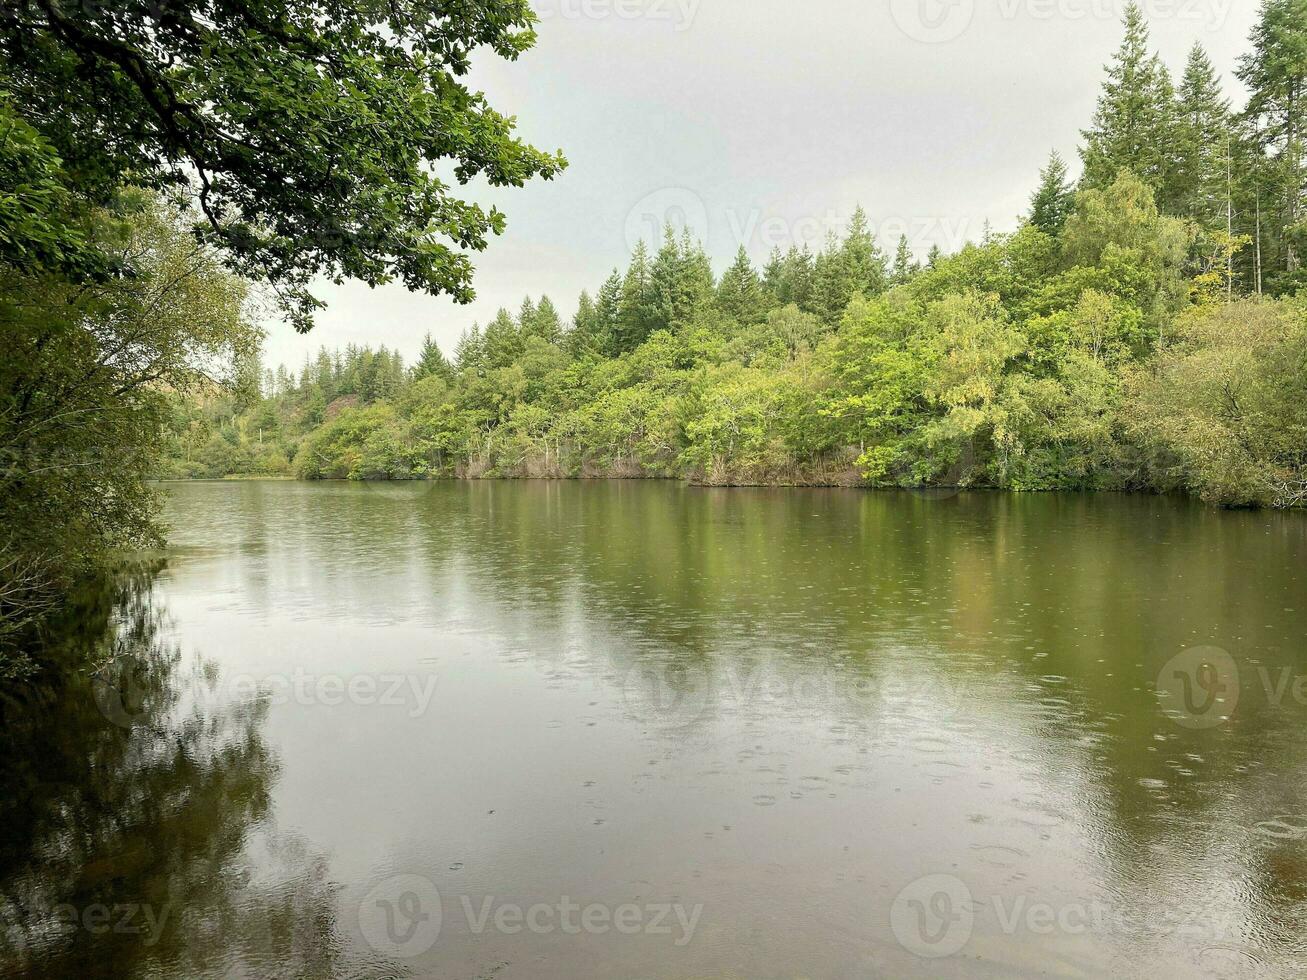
x,y
311,132
1089,359
156,160
85,382
1137,332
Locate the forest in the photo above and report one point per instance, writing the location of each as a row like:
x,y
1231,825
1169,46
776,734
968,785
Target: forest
x,y
1143,329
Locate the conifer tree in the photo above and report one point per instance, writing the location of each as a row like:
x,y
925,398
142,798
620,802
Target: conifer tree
x,y
1134,126
1053,201
501,342
1275,73
740,294
468,352
1204,145
635,315
862,260
546,323
608,308
431,361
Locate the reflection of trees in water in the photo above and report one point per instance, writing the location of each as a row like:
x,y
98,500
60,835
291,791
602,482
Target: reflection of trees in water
x,y
162,824
1053,614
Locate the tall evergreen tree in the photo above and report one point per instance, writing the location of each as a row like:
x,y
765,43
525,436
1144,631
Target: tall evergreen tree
x,y
1133,128
790,280
469,352
583,338
501,342
681,280
1053,201
1275,73
546,323
861,258
608,312
636,313
1204,145
853,267
740,293
431,361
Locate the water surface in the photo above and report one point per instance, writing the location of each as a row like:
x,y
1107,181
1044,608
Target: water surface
x,y
628,730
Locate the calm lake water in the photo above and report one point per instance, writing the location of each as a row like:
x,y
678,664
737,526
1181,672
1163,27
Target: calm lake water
x,y
627,730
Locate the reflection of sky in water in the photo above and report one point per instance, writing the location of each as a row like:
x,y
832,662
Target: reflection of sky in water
x,y
783,705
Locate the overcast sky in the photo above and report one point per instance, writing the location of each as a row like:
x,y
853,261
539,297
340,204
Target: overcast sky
x,y
766,122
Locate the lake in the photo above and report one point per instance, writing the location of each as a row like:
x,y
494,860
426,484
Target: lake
x,y
562,731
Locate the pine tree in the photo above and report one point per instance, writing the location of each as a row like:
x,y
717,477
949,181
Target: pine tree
x,y
546,323
582,339
608,309
526,317
431,361
636,314
790,281
861,257
1275,73
853,267
1203,145
904,266
501,341
1052,202
681,280
740,293
468,352
1134,126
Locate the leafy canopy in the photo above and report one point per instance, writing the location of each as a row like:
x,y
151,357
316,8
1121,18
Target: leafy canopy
x,y
320,137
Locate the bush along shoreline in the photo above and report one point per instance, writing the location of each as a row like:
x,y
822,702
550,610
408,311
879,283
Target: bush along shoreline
x,y
1139,330
1099,352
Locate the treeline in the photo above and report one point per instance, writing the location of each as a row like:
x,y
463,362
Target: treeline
x,y
1139,331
